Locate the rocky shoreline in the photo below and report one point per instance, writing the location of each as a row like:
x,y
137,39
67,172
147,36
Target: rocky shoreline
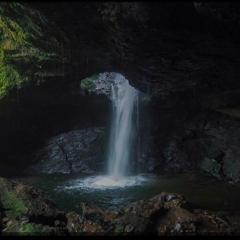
x,y
25,210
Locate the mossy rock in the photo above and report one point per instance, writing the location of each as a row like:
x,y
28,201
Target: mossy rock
x,y
27,229
14,206
21,206
34,229
20,200
88,83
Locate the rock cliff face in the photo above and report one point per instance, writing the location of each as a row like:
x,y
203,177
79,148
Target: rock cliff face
x,y
77,151
206,140
165,48
32,53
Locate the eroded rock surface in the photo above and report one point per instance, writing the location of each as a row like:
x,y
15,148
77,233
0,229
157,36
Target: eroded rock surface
x,y
77,151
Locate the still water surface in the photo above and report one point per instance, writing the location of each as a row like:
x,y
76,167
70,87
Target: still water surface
x,y
203,192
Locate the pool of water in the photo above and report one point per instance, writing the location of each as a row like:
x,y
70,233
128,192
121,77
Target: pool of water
x,y
69,191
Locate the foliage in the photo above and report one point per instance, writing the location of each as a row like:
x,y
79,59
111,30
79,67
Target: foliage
x,y
26,44
14,206
31,229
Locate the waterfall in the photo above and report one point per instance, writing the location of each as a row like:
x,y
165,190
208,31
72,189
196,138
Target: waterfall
x,y
123,148
124,106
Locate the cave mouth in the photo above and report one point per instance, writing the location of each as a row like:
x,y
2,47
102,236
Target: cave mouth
x,y
102,188
70,128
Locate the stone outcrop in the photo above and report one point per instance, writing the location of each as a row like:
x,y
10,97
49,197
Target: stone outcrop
x,y
189,139
26,210
163,48
77,151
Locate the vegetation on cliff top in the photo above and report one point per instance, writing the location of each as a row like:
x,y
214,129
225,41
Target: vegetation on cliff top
x,y
28,42
88,83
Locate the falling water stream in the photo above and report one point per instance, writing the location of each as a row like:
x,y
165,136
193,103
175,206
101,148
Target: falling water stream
x,y
124,101
124,123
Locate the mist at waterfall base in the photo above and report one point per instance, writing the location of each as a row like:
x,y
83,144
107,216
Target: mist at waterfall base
x,y
123,136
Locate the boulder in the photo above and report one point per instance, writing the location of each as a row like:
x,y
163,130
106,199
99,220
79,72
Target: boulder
x,y
77,151
26,210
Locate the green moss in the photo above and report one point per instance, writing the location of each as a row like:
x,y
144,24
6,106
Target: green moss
x,y
31,229
14,206
26,229
12,37
9,78
26,44
88,83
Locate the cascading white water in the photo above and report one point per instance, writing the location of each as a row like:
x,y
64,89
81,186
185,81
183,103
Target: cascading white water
x,y
123,137
124,100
